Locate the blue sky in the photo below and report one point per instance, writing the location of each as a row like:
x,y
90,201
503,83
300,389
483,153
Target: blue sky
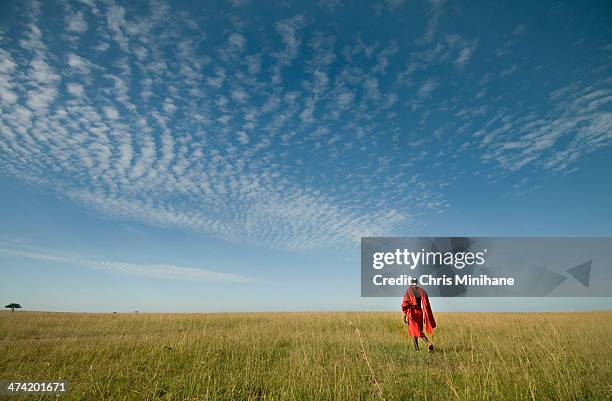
x,y
210,156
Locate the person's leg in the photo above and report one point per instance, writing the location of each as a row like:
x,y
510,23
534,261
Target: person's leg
x,y
430,345
416,343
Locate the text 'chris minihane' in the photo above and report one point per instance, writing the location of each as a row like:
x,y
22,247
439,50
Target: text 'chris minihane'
x,y
428,280
411,259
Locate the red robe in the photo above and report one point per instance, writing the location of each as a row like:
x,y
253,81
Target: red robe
x,y
418,314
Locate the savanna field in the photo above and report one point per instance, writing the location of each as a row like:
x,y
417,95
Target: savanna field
x,y
309,356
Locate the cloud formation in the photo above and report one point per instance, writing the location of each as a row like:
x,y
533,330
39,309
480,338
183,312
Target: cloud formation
x,y
281,132
155,271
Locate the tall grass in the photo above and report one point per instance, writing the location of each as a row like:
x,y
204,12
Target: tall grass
x,y
310,356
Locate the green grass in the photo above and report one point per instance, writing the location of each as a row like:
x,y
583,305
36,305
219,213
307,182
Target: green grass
x,y
310,356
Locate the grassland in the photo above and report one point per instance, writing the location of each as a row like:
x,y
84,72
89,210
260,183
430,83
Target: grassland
x,y
310,356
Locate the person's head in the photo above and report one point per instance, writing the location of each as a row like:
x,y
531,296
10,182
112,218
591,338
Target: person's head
x,y
413,282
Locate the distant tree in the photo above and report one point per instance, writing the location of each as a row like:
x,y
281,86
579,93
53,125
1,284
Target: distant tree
x,y
13,306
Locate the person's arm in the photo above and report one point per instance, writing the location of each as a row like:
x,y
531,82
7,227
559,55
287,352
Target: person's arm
x,y
405,303
406,307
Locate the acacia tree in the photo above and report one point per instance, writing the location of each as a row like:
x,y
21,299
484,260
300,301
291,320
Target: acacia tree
x,y
13,306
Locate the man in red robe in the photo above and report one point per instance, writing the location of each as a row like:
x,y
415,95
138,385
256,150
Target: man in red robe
x,y
417,312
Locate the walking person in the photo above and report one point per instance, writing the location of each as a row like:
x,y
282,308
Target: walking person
x,y
417,312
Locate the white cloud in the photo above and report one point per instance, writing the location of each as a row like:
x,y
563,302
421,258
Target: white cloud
x,y
116,20
237,41
45,80
509,71
371,87
8,97
79,64
76,23
239,95
169,106
75,89
243,138
432,23
345,99
111,112
428,87
465,54
148,270
288,29
573,127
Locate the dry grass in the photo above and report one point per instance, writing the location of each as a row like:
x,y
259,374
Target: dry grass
x,y
310,356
